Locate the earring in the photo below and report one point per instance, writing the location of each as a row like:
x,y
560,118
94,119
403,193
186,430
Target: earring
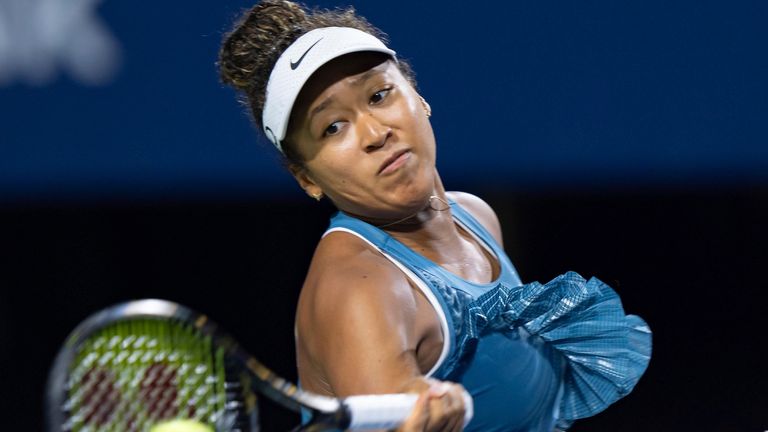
x,y
427,108
317,196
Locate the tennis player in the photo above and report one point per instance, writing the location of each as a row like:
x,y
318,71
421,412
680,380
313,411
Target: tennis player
x,y
410,290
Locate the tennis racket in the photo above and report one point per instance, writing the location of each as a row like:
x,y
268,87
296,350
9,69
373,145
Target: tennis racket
x,y
136,365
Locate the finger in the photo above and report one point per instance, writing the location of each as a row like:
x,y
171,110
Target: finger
x,y
440,407
452,410
437,419
457,417
417,420
454,424
438,389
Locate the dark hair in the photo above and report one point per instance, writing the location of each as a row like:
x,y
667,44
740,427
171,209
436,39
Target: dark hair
x,y
250,51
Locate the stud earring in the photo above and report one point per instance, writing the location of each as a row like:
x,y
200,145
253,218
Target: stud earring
x,y
427,108
317,196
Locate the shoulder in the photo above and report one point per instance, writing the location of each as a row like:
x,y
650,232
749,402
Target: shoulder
x,y
481,211
344,261
349,281
356,321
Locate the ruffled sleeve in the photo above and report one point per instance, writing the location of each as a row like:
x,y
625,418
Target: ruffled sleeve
x,y
606,351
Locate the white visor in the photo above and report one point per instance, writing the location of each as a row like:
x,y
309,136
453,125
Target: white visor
x,y
298,62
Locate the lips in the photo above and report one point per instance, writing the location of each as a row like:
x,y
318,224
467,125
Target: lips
x,y
394,161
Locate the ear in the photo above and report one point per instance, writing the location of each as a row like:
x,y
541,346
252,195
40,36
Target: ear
x,y
305,181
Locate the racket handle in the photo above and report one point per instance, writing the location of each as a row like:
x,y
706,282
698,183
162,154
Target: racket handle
x,y
389,410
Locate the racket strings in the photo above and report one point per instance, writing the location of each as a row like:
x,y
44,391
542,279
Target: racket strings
x,y
132,374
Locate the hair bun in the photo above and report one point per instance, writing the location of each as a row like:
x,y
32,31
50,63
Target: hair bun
x,y
257,40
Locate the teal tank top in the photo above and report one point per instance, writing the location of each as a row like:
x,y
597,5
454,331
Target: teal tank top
x,y
532,356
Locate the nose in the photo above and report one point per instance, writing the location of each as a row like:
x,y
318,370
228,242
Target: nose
x,y
373,133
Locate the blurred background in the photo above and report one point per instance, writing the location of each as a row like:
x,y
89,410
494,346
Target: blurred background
x,y
623,141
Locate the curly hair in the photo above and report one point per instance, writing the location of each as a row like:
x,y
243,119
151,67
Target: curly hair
x,y
251,49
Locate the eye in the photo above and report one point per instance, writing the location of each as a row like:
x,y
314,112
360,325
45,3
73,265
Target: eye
x,y
332,129
380,96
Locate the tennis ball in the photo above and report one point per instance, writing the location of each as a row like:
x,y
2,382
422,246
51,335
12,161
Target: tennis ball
x,y
180,425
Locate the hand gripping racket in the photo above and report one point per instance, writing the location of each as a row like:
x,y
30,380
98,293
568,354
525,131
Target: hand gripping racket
x,y
137,364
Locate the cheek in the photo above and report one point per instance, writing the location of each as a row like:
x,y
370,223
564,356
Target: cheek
x,y
413,112
420,127
335,170
327,171
411,106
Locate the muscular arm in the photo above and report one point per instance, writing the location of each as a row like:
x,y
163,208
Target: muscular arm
x,y
356,319
357,333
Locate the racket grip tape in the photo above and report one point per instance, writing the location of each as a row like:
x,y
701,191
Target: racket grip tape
x,y
389,410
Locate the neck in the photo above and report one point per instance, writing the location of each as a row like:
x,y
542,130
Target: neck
x,y
431,228
430,213
408,223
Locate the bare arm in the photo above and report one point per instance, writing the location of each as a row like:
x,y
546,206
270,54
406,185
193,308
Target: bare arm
x,y
356,323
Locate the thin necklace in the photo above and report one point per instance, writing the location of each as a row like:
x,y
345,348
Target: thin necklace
x,y
431,198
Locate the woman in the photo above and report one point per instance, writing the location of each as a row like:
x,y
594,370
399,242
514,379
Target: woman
x,y
410,290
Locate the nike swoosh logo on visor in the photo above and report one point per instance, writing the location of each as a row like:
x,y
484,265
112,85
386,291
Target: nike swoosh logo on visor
x,y
296,64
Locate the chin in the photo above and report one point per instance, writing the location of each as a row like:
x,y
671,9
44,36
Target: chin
x,y
416,197
413,192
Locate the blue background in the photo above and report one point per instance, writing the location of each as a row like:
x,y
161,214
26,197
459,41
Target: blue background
x,y
622,140
526,95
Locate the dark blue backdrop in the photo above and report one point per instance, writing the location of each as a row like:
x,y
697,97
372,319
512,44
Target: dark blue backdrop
x,y
624,141
525,95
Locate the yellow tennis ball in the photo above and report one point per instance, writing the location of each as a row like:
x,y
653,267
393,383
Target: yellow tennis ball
x,y
181,425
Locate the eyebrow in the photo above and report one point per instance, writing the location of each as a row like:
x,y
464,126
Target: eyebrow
x,y
321,106
365,77
362,79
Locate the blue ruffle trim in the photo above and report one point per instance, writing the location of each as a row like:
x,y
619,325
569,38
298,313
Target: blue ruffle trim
x,y
606,350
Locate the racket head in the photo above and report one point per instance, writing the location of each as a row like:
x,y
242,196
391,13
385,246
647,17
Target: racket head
x,y
133,365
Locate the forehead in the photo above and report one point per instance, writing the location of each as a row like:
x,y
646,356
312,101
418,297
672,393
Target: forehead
x,y
347,69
